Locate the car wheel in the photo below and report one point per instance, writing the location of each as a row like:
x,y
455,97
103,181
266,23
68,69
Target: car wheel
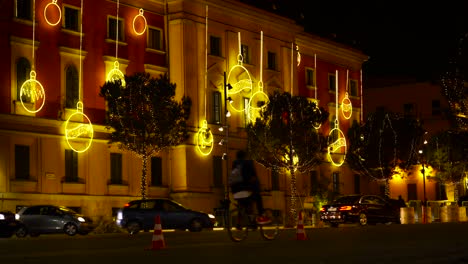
x,y
196,225
21,231
133,228
70,229
363,219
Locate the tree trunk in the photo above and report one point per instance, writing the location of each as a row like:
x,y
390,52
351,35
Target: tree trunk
x,y
293,210
143,177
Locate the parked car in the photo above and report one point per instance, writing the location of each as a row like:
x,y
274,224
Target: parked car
x,y
140,215
47,219
362,209
8,224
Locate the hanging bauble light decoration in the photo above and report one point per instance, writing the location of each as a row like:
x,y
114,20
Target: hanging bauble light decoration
x,y
337,147
79,135
259,99
53,6
116,74
136,24
34,90
346,107
204,139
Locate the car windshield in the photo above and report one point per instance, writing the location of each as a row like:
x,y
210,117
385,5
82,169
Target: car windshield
x,y
67,210
347,200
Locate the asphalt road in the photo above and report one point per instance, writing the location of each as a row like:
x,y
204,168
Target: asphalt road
x,y
434,243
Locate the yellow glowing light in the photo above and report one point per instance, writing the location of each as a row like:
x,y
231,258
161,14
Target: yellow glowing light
x,y
115,74
52,5
140,15
204,139
239,87
77,133
34,90
317,112
346,107
258,101
298,56
336,145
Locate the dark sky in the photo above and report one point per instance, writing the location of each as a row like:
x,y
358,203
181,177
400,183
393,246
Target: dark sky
x,y
402,38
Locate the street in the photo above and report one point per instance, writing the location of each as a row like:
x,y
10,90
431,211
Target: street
x,y
417,243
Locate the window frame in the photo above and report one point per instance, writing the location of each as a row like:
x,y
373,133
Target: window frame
x,y
245,51
332,80
218,171
215,46
27,17
71,166
351,92
116,176
271,61
217,107
121,25
72,87
149,39
156,172
67,7
20,80
23,163
310,84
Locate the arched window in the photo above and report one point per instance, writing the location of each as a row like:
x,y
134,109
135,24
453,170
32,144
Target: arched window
x,y
23,69
72,87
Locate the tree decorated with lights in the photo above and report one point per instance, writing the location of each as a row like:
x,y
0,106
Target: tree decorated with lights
x,y
145,117
284,138
385,145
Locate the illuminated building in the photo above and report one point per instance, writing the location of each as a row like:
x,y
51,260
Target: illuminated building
x,y
38,166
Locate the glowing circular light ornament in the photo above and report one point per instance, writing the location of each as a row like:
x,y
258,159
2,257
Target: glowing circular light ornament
x,y
115,74
49,6
336,147
346,107
34,90
140,15
204,139
240,87
316,123
258,101
78,133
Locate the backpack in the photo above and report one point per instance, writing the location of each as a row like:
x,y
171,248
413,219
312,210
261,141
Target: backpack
x,y
236,175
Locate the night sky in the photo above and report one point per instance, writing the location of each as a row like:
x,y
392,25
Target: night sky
x,y
402,38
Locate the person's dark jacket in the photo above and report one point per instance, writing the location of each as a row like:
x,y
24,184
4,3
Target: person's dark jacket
x,y
249,175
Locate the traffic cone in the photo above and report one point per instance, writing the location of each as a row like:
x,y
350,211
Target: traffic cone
x,y
300,232
158,238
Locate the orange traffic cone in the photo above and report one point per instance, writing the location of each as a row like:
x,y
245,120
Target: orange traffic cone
x,y
158,238
300,232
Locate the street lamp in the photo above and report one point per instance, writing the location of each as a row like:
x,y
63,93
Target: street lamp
x,y
423,171
225,140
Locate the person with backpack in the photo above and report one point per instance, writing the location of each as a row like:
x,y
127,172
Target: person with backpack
x,y
244,178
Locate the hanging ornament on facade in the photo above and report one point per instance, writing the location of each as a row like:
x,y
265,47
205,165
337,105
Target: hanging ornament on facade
x,y
317,112
337,148
204,139
53,8
259,99
346,105
34,91
116,74
241,84
139,23
79,135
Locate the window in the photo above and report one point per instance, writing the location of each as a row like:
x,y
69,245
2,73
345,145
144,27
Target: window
x,y
112,29
271,61
353,88
412,191
310,77
332,82
215,46
156,171
357,184
314,184
72,87
441,193
336,182
275,183
245,53
24,9
116,168
217,107
154,38
217,171
71,19
71,166
436,107
21,162
408,109
23,69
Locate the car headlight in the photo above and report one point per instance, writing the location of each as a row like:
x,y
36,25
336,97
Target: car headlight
x,y
17,216
81,219
211,216
119,216
2,217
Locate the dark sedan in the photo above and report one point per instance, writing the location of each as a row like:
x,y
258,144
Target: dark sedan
x,y
361,209
140,215
8,224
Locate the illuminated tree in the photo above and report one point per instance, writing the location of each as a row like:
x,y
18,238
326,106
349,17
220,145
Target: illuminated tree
x,y
384,145
145,117
283,138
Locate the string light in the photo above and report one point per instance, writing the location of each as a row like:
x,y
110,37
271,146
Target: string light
x,y
76,133
241,86
32,88
317,124
52,5
141,16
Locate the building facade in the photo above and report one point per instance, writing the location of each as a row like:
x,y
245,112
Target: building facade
x,y
54,142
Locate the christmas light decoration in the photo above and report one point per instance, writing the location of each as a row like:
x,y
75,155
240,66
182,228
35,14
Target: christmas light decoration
x,y
346,105
240,87
336,138
259,99
317,111
116,74
298,56
76,133
204,137
32,87
53,5
142,17
362,96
